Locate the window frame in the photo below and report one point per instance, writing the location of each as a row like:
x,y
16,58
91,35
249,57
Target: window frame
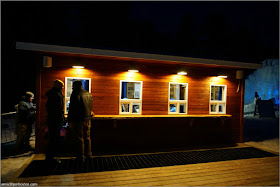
x,y
65,91
130,101
217,102
178,102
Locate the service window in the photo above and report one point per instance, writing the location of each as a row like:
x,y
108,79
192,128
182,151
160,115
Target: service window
x,y
130,97
68,88
178,98
218,95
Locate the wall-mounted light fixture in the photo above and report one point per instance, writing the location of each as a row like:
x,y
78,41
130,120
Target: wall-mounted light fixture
x,y
78,67
220,73
132,68
182,73
182,70
47,62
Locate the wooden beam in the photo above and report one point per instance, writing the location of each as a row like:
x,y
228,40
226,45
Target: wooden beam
x,y
242,111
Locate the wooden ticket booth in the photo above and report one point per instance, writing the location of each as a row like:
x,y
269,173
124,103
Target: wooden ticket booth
x,y
145,100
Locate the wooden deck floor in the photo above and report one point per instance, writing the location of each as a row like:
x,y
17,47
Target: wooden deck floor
x,y
246,172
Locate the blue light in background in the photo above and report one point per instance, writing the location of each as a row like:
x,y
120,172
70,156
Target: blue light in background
x,y
265,81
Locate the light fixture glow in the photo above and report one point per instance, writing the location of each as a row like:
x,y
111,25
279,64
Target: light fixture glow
x,y
182,73
78,67
133,70
222,76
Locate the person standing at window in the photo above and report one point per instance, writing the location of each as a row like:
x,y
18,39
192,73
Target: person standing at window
x,y
55,119
79,118
25,119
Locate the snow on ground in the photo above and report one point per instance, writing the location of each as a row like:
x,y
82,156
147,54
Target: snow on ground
x,y
262,133
10,166
269,145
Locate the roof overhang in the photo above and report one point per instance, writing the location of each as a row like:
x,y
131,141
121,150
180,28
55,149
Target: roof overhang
x,y
46,48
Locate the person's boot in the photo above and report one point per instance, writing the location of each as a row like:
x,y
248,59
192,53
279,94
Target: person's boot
x,y
51,160
27,148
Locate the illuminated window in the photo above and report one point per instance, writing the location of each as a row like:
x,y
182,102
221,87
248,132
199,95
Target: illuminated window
x,y
218,95
178,98
68,88
130,97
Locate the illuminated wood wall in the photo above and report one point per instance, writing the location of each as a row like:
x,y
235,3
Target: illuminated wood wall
x,y
106,73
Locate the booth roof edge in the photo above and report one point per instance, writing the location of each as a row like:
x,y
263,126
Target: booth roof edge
x,y
100,52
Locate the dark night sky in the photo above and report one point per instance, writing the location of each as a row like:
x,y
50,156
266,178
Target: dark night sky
x,y
238,31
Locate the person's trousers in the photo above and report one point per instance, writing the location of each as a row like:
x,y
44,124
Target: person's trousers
x,y
23,132
81,131
53,144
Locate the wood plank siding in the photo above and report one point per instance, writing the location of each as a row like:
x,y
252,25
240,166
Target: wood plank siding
x,y
106,73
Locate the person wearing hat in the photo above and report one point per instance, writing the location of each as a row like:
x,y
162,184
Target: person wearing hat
x,y
25,119
79,118
55,119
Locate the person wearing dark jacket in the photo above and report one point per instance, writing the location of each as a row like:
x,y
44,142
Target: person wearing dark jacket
x,y
79,118
55,118
25,119
256,103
